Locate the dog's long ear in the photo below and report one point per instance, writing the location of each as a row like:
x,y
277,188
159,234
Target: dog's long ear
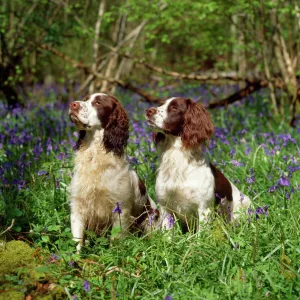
x,y
116,131
197,127
81,136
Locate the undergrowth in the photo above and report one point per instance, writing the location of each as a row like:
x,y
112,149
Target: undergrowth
x,y
254,258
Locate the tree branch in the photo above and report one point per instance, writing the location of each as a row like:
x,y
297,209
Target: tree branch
x,y
96,38
232,76
64,56
9,227
239,95
252,85
129,86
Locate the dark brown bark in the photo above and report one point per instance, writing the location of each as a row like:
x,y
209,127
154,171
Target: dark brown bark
x,y
239,95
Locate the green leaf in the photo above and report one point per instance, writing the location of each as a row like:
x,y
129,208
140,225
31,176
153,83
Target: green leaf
x,y
45,238
115,232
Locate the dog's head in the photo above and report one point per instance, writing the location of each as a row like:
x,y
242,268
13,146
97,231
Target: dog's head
x,y
182,117
101,111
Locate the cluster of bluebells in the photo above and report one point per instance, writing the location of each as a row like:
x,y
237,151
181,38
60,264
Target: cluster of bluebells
x,y
31,136
284,182
86,286
36,135
259,211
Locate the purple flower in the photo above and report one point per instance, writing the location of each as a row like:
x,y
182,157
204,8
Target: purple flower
x,y
232,151
151,219
272,188
259,211
248,151
21,184
57,184
49,145
168,298
171,221
236,163
40,173
71,263
117,208
133,160
250,179
284,181
86,286
54,258
61,156
287,196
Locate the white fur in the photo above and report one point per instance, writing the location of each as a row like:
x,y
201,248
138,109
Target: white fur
x,y
87,114
185,184
161,114
101,180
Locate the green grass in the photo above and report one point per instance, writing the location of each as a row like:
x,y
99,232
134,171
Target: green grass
x,y
250,259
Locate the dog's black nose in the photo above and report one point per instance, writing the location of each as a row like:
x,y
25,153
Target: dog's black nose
x,y
74,106
150,112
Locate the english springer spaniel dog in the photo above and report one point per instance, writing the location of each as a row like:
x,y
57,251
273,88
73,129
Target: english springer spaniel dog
x,y
104,190
187,184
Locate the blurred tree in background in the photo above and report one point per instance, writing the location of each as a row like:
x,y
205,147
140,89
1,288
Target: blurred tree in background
x,y
97,45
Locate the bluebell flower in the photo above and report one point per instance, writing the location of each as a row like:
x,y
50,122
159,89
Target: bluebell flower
x,y
86,286
232,151
71,264
250,179
283,181
117,208
54,258
272,188
171,221
236,163
40,173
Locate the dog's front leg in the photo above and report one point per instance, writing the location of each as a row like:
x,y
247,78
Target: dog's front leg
x,y
77,228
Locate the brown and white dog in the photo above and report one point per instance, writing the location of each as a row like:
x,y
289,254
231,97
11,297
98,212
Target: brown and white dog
x,y
187,184
103,181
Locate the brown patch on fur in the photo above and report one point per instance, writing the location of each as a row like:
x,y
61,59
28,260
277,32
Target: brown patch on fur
x,y
148,212
222,185
81,136
176,111
197,127
142,187
158,137
115,123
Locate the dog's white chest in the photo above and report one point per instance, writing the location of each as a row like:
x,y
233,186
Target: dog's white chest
x,y
184,186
